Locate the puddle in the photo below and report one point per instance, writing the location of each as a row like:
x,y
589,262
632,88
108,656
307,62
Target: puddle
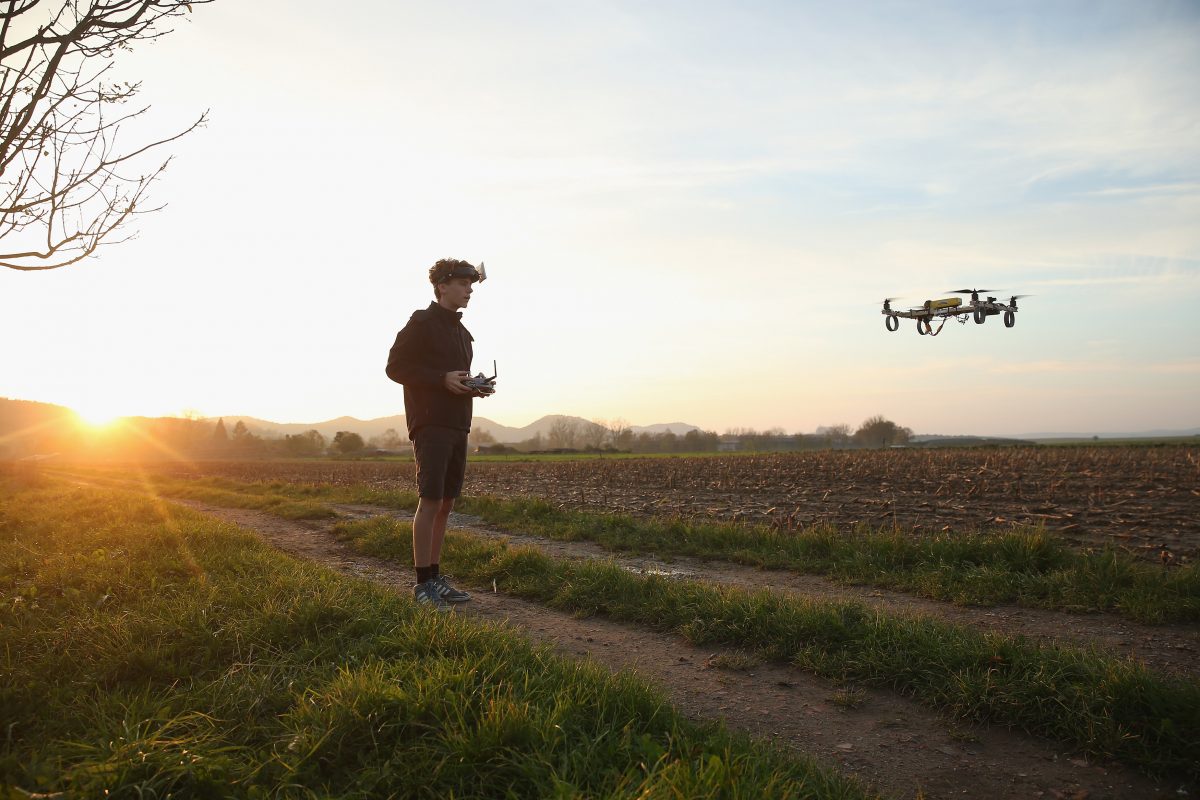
x,y
660,570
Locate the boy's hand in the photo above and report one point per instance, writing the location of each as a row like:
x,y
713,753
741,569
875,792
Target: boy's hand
x,y
454,382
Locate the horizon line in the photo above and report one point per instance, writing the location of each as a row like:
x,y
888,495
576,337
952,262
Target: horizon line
x,y
1158,431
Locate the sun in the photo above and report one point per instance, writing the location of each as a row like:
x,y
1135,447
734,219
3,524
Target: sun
x,y
97,416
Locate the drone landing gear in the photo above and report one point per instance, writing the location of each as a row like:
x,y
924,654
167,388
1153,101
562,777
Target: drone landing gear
x,y
1010,319
980,316
925,327
892,322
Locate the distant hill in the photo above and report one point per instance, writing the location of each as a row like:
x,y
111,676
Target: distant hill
x,y
27,427
677,428
30,426
374,427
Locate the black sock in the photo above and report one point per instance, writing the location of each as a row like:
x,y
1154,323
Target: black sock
x,y
424,574
434,567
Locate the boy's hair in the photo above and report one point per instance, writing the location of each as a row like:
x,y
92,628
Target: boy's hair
x,y
445,269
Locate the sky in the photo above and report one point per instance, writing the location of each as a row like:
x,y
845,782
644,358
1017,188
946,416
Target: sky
x,y
688,212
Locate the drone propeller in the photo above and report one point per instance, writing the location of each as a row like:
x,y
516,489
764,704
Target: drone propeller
x,y
1021,296
969,291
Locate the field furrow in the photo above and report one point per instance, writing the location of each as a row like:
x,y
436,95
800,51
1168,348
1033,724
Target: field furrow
x,y
1145,500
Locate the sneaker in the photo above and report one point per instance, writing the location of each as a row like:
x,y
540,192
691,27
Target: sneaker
x,y
447,592
428,594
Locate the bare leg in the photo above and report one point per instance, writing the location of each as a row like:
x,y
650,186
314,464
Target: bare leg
x,y
429,530
439,530
423,530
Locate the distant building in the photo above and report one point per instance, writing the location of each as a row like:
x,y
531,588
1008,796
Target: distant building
x,y
495,450
399,450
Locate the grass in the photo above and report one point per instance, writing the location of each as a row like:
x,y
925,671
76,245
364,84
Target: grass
x,y
149,651
1027,567
848,697
1104,706
735,661
282,500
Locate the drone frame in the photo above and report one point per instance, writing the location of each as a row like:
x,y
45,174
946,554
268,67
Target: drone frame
x,y
951,307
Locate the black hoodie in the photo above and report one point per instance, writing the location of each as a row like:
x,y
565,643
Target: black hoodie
x,y
433,343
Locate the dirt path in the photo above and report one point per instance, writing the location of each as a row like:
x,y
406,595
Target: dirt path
x,y
887,741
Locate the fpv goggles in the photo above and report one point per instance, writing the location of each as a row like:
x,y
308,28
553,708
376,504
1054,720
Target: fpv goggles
x,y
465,271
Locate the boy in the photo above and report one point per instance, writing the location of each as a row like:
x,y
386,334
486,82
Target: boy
x,y
432,358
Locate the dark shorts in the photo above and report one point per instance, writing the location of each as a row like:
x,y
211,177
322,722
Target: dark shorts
x,y
441,461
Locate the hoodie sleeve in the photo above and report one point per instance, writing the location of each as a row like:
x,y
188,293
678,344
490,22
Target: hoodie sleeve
x,y
404,360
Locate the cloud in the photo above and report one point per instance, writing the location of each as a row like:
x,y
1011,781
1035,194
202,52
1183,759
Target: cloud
x,y
1056,367
1110,280
1185,367
1097,366
1178,187
1104,183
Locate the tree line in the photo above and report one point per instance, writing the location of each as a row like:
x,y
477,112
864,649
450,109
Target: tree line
x,y
564,435
240,441
173,437
575,435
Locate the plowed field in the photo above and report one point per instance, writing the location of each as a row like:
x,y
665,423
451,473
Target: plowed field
x,y
1145,499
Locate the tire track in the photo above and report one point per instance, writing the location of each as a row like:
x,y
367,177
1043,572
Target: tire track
x,y
1169,649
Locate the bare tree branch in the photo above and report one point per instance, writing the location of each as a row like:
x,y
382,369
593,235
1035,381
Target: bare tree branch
x,y
63,193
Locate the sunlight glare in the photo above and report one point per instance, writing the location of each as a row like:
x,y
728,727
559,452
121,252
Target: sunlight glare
x,y
98,416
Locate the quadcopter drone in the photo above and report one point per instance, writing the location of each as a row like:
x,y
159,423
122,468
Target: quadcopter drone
x,y
952,307
483,384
